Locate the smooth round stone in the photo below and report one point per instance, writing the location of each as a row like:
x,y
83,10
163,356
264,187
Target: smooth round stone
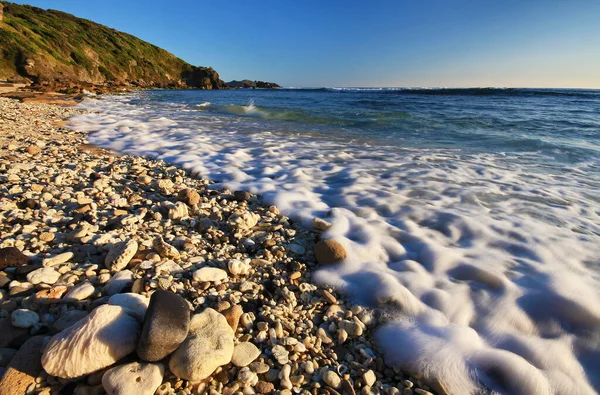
x,y
23,318
244,354
46,275
165,327
329,252
80,292
99,340
133,378
242,196
209,274
208,346
332,379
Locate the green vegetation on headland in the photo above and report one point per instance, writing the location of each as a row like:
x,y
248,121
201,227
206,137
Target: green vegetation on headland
x,y
57,51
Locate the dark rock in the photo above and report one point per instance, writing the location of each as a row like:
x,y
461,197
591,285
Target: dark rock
x,y
242,196
4,280
25,269
329,251
165,326
10,333
188,196
28,203
203,78
11,256
248,84
67,319
21,291
24,367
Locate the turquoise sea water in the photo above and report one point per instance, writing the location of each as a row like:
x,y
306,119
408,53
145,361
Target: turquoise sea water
x,y
471,216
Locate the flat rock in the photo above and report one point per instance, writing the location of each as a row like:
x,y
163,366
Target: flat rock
x,y
209,274
120,254
329,252
165,326
208,346
58,259
11,256
320,224
133,378
45,275
23,368
118,282
134,304
244,354
79,292
100,339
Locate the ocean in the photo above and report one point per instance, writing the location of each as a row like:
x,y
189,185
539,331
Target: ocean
x,y
471,216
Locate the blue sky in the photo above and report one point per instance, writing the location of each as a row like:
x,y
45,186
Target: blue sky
x,y
451,43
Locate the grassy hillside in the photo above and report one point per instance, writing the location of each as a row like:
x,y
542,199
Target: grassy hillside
x,y
56,49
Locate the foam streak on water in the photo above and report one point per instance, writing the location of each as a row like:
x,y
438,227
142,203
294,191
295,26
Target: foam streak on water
x,y
485,263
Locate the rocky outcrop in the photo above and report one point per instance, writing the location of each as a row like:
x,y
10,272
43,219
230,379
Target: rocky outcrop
x,y
247,84
203,78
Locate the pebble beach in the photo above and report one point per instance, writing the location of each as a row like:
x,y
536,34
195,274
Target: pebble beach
x,y
125,275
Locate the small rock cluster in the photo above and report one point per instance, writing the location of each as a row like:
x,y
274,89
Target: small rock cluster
x,y
122,275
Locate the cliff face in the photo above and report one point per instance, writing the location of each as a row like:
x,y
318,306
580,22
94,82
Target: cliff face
x,y
56,49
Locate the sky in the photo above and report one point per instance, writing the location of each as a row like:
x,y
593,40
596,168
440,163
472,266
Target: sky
x,y
404,43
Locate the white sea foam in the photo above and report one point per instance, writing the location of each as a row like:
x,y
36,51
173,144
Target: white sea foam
x,y
485,266
204,104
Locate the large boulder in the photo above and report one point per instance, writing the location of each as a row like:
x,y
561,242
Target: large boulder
x,y
106,335
208,346
165,326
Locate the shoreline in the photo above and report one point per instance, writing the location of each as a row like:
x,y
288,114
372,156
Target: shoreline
x,y
86,200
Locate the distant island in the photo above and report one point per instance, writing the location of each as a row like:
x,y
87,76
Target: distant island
x,y
247,84
56,51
